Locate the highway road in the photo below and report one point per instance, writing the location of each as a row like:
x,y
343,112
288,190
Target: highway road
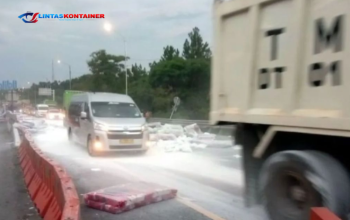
x,y
209,181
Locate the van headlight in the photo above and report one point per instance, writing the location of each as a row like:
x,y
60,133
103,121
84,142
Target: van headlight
x,y
100,127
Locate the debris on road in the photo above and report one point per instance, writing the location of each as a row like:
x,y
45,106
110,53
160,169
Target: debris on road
x,y
31,124
175,138
122,198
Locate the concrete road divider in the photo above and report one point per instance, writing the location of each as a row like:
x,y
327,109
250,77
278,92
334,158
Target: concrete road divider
x,y
49,186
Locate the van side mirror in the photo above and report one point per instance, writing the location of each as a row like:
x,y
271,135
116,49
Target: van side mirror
x,y
83,115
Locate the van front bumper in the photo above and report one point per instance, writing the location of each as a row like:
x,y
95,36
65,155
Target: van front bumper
x,y
120,142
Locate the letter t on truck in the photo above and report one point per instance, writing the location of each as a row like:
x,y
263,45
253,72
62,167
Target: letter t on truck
x,y
280,75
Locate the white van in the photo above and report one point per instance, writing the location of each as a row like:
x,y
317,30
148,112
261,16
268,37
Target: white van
x,y
106,122
41,110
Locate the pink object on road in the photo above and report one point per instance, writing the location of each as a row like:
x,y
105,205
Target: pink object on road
x,y
122,198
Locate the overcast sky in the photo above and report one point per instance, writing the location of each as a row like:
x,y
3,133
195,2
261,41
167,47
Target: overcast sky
x,y
27,50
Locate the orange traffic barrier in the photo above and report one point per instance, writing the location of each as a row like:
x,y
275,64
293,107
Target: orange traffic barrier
x,y
50,187
323,214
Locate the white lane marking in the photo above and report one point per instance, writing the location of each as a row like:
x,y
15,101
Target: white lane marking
x,y
198,208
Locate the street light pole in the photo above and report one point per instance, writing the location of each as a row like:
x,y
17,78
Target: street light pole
x,y
70,73
53,71
125,66
70,78
108,27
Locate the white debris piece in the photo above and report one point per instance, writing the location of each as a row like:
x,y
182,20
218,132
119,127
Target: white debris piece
x,y
177,130
198,146
153,137
193,130
154,127
206,136
32,125
166,136
180,144
175,138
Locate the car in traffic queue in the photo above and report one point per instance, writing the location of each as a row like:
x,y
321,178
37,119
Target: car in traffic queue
x,y
41,110
106,122
54,114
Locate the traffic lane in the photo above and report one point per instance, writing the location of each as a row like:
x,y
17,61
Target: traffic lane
x,y
201,182
166,210
15,202
96,173
226,156
91,175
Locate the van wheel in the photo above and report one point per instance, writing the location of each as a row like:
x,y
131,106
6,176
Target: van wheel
x,y
90,148
294,181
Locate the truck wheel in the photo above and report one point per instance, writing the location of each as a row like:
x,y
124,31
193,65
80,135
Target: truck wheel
x,y
294,181
90,148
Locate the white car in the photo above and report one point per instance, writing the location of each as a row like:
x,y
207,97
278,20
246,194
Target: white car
x,y
54,114
41,110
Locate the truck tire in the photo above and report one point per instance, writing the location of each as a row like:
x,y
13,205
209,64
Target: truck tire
x,y
294,181
246,136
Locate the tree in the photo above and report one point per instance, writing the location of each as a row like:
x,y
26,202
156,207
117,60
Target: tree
x,y
106,68
194,47
170,75
136,72
186,76
170,53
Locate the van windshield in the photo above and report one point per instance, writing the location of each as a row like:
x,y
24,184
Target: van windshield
x,y
115,110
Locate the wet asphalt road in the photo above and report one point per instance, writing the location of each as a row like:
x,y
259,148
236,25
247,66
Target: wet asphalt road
x,y
209,181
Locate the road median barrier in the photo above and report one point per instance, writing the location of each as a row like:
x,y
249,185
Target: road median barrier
x,y
323,214
49,185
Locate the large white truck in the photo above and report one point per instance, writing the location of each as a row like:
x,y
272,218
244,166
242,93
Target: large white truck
x,y
281,75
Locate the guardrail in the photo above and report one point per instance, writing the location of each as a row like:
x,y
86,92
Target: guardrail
x,y
221,130
180,121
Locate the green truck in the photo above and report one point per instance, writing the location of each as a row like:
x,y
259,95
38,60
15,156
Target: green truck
x,y
67,96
